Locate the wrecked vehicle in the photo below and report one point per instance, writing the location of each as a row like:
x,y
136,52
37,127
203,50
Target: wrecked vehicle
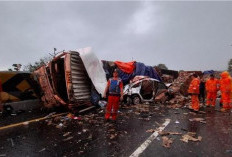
x,y
77,78
143,90
71,79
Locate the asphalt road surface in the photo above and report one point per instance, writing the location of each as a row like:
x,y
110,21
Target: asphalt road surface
x,y
137,132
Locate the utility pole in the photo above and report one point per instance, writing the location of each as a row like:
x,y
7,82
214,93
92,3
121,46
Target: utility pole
x,y
54,51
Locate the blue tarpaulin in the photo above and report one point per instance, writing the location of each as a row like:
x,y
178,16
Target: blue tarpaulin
x,y
208,72
140,70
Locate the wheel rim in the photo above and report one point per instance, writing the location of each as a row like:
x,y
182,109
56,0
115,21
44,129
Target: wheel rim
x,y
136,100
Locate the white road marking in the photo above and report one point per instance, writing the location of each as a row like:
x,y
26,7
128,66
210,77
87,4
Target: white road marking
x,y
145,144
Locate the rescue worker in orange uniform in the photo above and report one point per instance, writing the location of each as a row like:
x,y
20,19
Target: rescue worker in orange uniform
x,y
115,89
211,89
225,87
194,91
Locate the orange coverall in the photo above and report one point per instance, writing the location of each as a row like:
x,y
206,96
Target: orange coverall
x,y
225,87
113,104
194,90
211,89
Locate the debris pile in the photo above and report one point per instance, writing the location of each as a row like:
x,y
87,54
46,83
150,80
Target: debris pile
x,y
201,120
191,136
167,142
181,84
179,90
167,78
60,121
151,130
161,98
165,133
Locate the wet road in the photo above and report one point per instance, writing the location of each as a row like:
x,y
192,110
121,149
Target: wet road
x,y
90,135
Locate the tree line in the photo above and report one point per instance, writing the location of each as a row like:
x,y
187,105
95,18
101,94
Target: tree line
x,y
30,67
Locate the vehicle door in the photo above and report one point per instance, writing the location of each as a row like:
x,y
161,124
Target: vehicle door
x,y
147,88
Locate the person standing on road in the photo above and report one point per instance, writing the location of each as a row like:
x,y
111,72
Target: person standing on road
x,y
115,90
194,92
211,89
225,87
202,91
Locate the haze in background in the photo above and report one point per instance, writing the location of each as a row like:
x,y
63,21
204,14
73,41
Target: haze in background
x,y
182,35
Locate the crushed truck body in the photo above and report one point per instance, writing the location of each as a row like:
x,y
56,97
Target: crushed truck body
x,y
70,79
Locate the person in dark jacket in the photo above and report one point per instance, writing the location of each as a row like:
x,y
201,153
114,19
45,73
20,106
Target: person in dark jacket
x,y
202,91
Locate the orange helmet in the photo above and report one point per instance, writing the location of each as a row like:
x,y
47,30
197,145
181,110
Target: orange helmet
x,y
225,74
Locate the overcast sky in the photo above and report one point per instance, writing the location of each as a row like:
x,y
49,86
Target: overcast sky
x,y
182,35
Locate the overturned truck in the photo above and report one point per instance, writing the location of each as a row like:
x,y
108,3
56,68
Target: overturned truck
x,y
72,78
78,78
